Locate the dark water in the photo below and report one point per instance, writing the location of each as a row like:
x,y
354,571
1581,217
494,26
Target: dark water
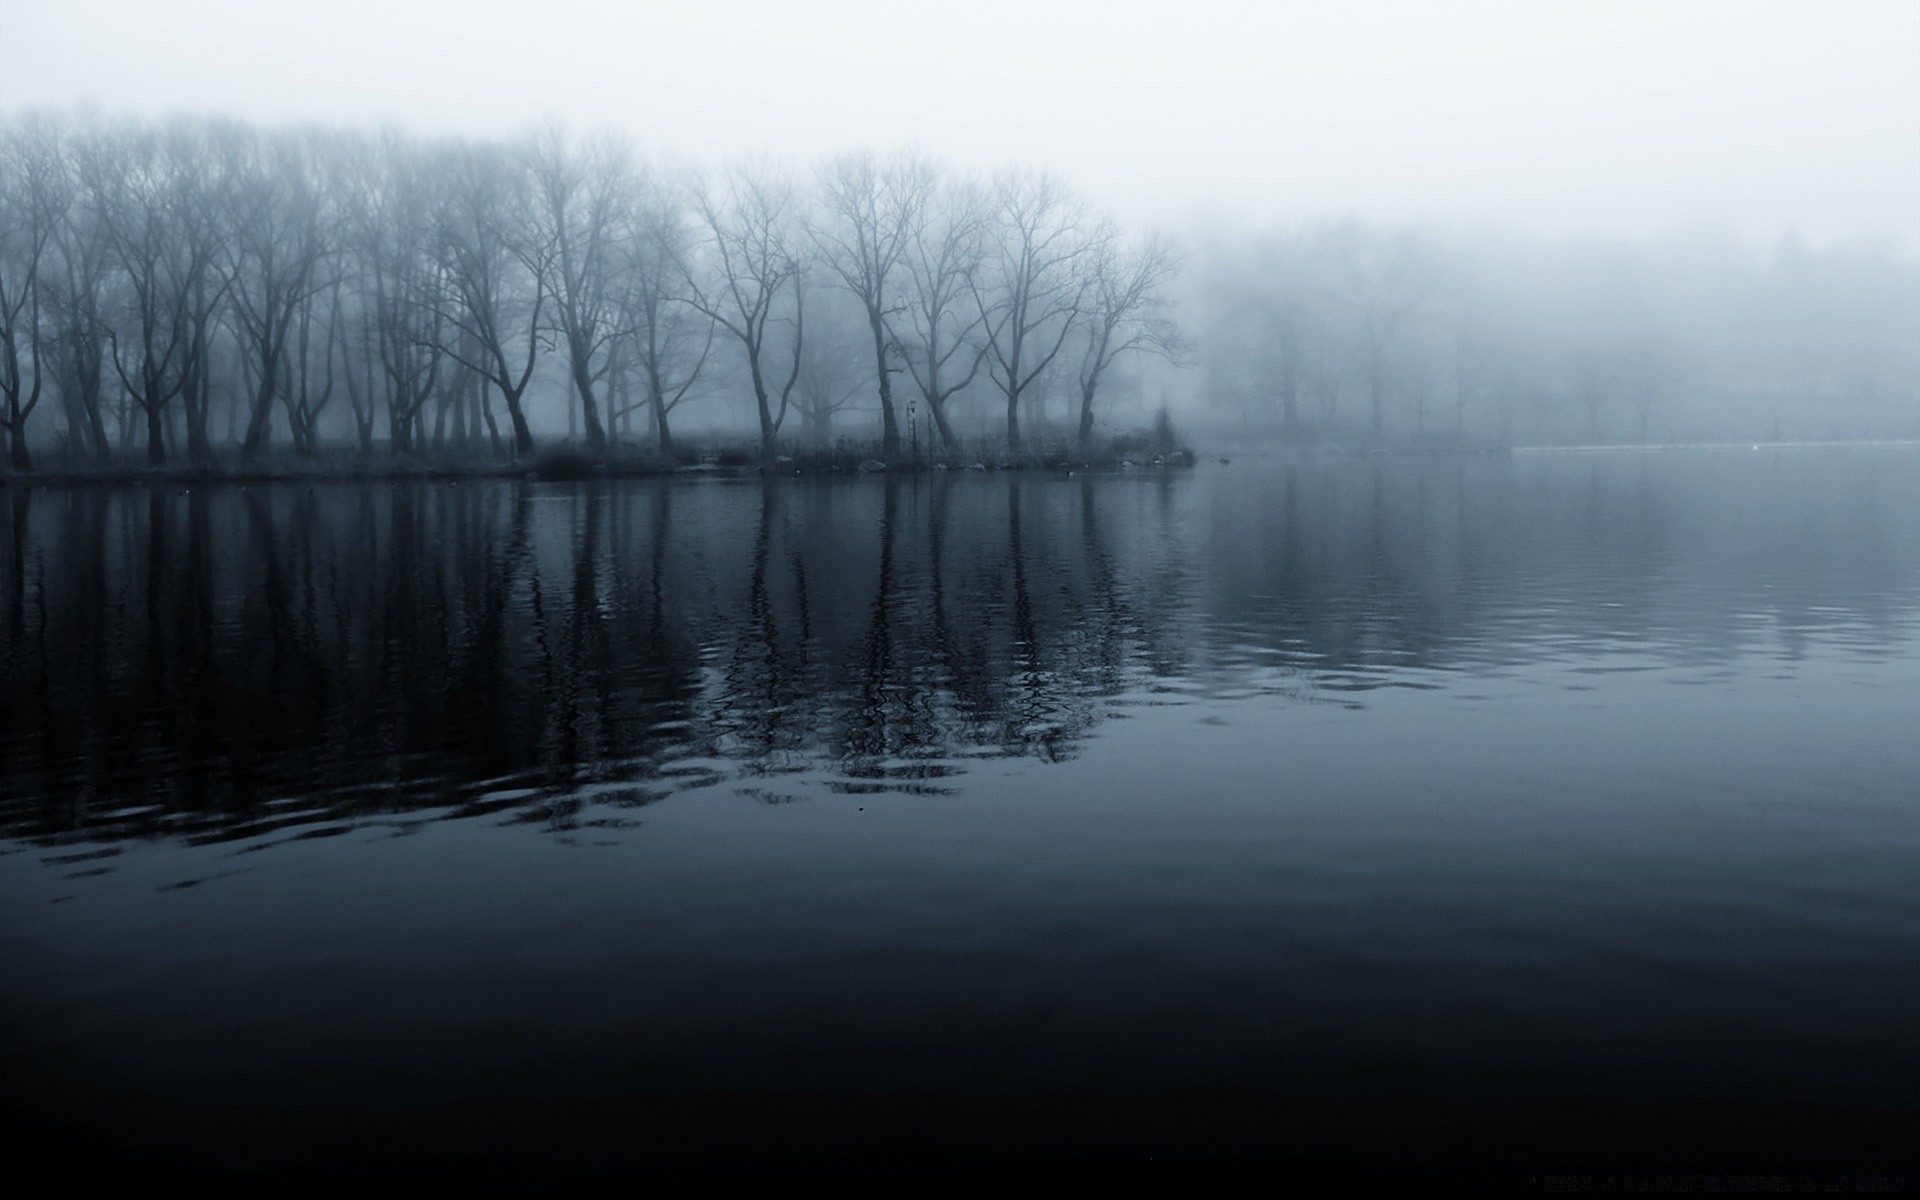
x,y
1553,814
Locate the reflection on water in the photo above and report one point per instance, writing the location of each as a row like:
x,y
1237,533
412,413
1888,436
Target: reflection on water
x,y
1488,806
214,663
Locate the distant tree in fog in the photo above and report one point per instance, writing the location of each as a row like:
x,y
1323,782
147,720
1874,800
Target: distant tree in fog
x,y
752,263
157,209
836,366
1386,280
497,257
669,339
582,196
392,233
937,324
870,212
176,289
74,290
1125,311
34,198
279,231
1032,287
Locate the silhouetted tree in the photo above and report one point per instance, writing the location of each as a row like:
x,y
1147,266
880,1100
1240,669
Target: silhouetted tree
x,y
752,256
871,213
1032,288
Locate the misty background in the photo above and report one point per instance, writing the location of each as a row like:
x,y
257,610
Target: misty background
x,y
1476,224
519,657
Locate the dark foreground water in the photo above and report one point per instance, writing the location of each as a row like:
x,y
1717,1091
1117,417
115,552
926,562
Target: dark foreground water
x,y
1528,818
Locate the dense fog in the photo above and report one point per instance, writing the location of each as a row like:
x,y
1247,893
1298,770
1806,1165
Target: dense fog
x,y
1120,592
194,288
1340,329
187,287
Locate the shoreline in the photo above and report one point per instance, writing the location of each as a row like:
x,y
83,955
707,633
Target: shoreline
x,y
563,466
561,472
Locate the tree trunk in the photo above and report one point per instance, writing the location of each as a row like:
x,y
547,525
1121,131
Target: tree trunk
x,y
399,430
156,435
17,444
938,409
97,427
889,424
522,433
656,395
663,435
260,419
199,449
583,383
195,396
484,397
767,430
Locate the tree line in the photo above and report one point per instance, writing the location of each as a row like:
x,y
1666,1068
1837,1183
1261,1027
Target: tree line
x,y
1348,330
203,286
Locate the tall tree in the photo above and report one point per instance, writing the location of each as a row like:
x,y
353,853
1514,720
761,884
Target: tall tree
x,y
871,213
937,325
153,197
1030,293
405,294
74,295
1386,280
582,193
498,260
669,338
835,369
278,239
1125,312
752,258
33,202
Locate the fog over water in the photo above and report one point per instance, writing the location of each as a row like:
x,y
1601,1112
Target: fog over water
x,y
1622,119
1086,594
1485,224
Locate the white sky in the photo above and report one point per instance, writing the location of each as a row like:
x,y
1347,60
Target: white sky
x,y
1617,117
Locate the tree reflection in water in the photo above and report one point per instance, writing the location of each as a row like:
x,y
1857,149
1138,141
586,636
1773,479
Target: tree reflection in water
x,y
217,663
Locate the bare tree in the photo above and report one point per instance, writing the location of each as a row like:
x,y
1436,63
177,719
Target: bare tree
x,y
582,195
497,260
752,257
153,201
277,241
33,202
405,290
73,294
669,338
309,366
1594,374
1124,311
835,369
1386,280
1651,372
1030,293
938,325
872,212
358,350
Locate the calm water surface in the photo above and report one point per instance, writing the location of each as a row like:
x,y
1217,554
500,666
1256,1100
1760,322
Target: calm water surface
x,y
1552,813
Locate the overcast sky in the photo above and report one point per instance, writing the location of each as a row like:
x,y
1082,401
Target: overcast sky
x,y
1618,118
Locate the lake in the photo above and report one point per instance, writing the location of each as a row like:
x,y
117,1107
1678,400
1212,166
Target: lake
x,y
1520,817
